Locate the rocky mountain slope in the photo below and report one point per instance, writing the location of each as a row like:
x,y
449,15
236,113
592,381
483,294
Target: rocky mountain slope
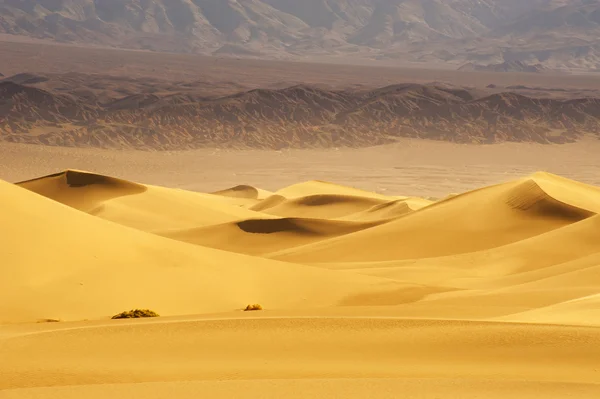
x,y
557,33
298,116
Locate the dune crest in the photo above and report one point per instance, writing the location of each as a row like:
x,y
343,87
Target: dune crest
x,y
319,187
80,189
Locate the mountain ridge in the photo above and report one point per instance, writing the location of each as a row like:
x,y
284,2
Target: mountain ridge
x,y
300,116
557,34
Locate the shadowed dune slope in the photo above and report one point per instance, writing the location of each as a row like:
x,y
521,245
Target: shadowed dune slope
x,y
475,221
60,263
260,236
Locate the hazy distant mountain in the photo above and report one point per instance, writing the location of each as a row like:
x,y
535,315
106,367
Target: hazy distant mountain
x,y
507,66
556,33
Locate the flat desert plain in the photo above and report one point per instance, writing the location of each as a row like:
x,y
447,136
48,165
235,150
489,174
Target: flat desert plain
x,y
416,270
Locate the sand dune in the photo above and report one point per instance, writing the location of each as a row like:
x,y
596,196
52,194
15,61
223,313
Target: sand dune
x,y
82,190
316,206
478,220
488,293
61,263
317,187
142,207
244,191
512,264
261,236
244,195
390,210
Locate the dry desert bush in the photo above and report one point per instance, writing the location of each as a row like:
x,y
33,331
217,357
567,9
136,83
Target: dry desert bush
x,y
136,314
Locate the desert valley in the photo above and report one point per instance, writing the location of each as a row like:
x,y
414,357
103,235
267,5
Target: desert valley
x,y
320,199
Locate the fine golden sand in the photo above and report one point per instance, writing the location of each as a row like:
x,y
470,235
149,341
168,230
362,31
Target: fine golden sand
x,y
490,293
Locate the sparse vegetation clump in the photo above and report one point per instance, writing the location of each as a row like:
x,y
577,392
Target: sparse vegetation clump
x,y
136,314
253,307
49,321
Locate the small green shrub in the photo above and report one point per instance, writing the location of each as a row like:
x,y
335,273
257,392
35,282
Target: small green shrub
x,y
253,307
136,314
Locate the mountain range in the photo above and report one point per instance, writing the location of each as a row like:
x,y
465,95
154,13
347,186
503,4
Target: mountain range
x,y
557,34
182,116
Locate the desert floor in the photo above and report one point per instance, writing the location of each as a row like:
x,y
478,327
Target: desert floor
x,y
412,167
418,270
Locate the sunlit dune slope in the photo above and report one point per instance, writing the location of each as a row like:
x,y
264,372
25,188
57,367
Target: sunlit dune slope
x,y
534,301
542,271
478,220
143,207
389,210
317,187
325,206
244,195
244,191
512,264
578,311
58,262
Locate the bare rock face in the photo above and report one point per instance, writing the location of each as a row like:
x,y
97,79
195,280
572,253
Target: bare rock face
x,y
556,33
36,109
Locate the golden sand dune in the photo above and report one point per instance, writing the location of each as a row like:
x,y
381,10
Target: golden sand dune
x,y
317,187
513,264
244,195
261,236
389,210
61,263
579,311
82,190
490,293
142,207
478,220
325,206
244,191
